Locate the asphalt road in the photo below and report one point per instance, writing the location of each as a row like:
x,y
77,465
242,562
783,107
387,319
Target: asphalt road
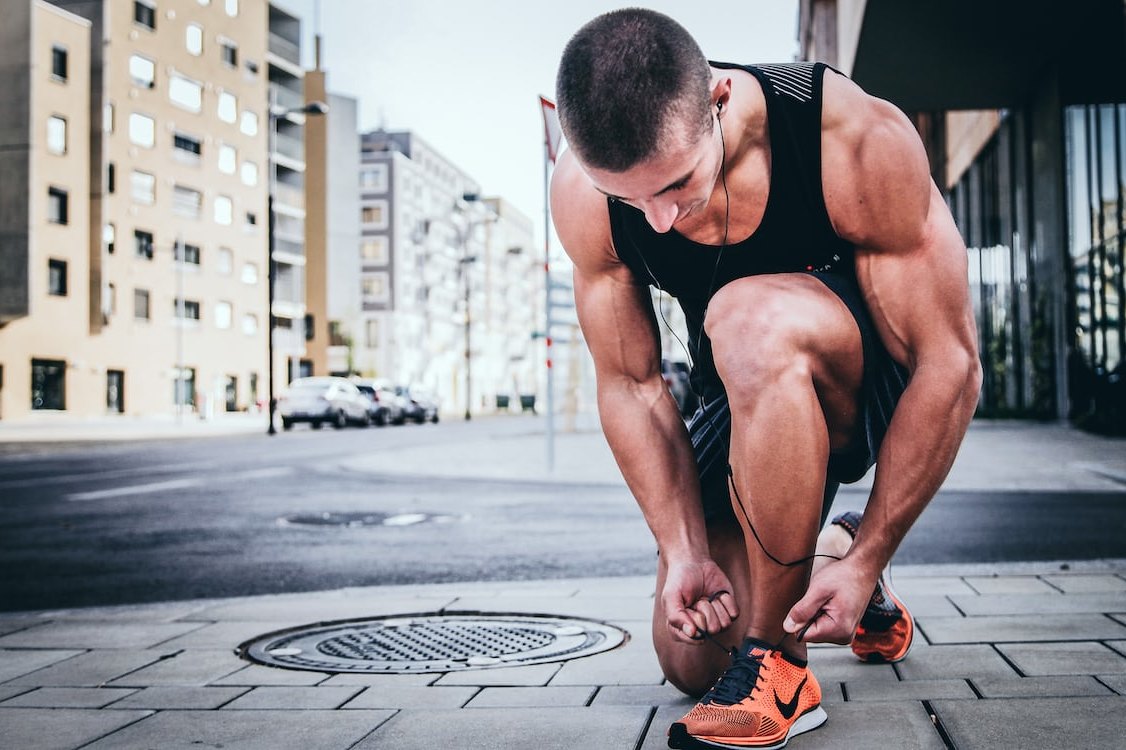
x,y
177,519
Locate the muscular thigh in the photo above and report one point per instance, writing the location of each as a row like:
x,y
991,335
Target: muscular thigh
x,y
761,325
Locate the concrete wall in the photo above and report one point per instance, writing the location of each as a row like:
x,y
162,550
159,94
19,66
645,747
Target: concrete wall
x,y
966,134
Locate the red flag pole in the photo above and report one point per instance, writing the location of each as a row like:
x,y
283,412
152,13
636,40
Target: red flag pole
x,y
548,158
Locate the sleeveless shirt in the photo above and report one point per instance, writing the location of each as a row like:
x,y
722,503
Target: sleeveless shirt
x,y
794,236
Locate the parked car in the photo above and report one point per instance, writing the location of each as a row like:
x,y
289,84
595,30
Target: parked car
x,y
384,405
421,405
320,400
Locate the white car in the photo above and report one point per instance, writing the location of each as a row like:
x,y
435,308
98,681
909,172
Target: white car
x,y
318,400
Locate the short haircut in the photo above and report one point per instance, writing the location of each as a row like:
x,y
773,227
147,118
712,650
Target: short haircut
x,y
625,79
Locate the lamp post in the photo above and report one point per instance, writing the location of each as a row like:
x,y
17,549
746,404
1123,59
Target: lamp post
x,y
312,108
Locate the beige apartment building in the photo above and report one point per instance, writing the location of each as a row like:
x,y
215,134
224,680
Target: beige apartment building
x,y
146,229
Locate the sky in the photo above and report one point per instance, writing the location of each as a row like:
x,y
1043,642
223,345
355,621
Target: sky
x,y
466,77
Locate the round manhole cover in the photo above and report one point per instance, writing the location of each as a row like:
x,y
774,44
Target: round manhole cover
x,y
433,643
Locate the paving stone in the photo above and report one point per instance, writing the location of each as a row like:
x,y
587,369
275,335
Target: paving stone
x,y
931,605
529,676
412,697
245,730
1034,722
60,729
1065,686
71,634
1012,628
1079,583
8,691
294,698
562,728
939,662
1064,658
226,635
497,697
908,690
53,697
657,735
188,667
91,669
16,622
1116,682
1010,585
595,607
181,697
633,664
388,680
294,611
255,675
839,664
1038,604
152,612
1119,646
908,587
642,695
19,662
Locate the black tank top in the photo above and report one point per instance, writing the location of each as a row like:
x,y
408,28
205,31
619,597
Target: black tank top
x,y
795,234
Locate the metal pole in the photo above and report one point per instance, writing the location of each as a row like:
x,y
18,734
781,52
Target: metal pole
x,y
468,357
271,268
547,311
180,306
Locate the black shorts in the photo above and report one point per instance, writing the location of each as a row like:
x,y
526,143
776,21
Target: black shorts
x,y
884,381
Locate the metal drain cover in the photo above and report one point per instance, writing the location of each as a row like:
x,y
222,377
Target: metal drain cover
x,y
432,643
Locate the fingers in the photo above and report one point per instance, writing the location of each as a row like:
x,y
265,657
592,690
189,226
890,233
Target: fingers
x,y
711,615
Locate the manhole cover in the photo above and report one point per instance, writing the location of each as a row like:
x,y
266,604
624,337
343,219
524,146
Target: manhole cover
x,y
433,643
357,520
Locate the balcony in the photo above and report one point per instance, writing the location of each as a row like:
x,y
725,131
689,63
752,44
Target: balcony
x,y
287,145
284,48
286,98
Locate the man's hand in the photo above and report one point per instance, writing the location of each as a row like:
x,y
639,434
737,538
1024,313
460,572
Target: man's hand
x,y
697,599
833,604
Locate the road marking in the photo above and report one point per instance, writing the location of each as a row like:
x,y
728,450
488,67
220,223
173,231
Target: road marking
x,y
136,489
266,473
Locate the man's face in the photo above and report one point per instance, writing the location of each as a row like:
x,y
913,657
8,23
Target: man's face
x,y
671,186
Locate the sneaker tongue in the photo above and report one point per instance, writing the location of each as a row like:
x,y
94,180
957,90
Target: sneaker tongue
x,y
750,644
740,678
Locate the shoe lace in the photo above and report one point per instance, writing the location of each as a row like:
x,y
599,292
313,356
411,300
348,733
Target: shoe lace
x,y
739,680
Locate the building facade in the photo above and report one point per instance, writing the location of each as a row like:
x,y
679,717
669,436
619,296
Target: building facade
x,y
1023,111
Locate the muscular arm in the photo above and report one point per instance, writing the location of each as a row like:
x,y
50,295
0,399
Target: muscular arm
x,y
912,268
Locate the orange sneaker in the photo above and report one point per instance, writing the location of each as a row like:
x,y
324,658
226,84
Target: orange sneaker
x,y
886,629
763,699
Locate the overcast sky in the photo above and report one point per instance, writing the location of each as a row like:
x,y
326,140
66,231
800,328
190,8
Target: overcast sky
x,y
466,76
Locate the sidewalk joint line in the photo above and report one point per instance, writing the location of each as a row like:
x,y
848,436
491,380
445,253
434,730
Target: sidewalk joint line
x,y
593,694
939,726
1007,660
973,687
645,729
1049,583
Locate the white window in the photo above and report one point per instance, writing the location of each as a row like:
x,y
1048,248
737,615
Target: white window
x,y
185,92
186,201
374,250
249,273
375,214
225,261
193,38
374,178
56,134
143,187
107,118
250,324
228,106
142,71
374,287
223,315
249,123
224,210
249,173
231,6
109,237
228,158
142,130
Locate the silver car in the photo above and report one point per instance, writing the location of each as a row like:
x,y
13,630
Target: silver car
x,y
320,400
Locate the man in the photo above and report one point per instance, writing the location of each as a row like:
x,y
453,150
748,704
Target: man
x,y
824,286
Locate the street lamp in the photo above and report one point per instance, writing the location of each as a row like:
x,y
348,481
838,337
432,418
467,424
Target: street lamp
x,y
312,108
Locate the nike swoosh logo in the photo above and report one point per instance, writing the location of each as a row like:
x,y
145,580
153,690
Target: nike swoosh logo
x,y
788,709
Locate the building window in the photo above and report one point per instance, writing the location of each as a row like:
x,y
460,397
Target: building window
x,y
109,302
185,93
144,14
250,324
56,277
249,173
224,261
228,107
185,309
228,158
187,201
141,304
248,124
375,250
107,118
224,210
142,244
56,205
142,130
249,273
375,215
223,315
374,178
228,53
109,237
111,178
183,252
183,387
187,147
56,134
231,6
58,63
251,219
48,384
374,288
193,38
143,187
371,330
142,71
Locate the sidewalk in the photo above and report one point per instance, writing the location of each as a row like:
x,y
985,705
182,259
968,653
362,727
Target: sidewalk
x,y
1006,656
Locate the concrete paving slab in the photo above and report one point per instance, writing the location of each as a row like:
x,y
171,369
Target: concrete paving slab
x,y
904,726
79,634
931,605
412,697
529,676
657,734
839,664
150,612
1015,628
182,698
228,635
245,730
293,612
382,680
53,697
635,663
1086,583
1116,682
943,662
1040,604
1022,723
8,691
1119,646
255,675
594,607
1064,658
187,667
908,690
1063,686
17,622
91,669
562,728
999,584
914,585
642,695
17,662
525,697
61,729
294,698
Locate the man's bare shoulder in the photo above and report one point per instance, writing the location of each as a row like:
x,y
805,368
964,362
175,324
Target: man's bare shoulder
x,y
580,215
